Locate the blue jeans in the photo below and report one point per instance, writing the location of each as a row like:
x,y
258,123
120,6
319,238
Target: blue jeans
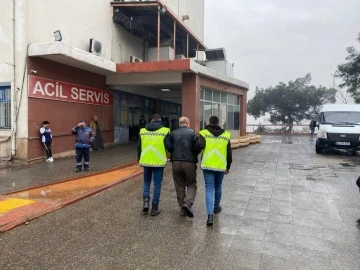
x,y
213,181
158,177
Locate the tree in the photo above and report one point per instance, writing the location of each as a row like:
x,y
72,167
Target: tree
x,y
343,96
350,72
290,103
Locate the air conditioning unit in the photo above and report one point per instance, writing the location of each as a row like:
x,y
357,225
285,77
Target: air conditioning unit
x,y
180,56
134,59
96,47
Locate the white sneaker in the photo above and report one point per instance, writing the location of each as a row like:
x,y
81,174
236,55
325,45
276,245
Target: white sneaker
x,y
51,159
48,160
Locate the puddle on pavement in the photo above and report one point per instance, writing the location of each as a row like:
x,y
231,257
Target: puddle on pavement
x,y
59,192
347,165
310,178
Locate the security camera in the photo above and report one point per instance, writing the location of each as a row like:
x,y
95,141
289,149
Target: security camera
x,y
34,71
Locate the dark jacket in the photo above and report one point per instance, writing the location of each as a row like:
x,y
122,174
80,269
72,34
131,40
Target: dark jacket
x,y
184,145
165,122
217,131
46,135
174,124
152,126
84,136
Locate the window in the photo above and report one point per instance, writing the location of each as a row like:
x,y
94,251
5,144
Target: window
x,y
223,98
223,116
225,106
236,117
202,124
216,96
208,95
231,99
237,100
216,109
207,112
230,117
5,107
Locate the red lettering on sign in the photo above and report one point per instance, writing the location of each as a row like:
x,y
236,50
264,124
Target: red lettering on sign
x,y
55,90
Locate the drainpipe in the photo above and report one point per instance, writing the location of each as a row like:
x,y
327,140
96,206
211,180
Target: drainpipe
x,y
13,88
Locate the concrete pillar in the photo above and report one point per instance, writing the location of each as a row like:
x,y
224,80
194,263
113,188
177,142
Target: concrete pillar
x,y
243,113
191,99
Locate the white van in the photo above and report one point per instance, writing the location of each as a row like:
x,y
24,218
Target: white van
x,y
339,127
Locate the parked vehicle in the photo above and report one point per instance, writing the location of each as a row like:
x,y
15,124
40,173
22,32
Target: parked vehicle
x,y
339,127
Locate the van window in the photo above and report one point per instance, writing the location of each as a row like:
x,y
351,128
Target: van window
x,y
340,118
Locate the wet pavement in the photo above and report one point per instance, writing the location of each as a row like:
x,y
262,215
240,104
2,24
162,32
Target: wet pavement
x,y
63,191
284,207
41,173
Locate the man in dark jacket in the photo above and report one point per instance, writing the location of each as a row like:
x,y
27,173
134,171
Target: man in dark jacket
x,y
215,163
174,123
84,138
142,122
165,121
184,146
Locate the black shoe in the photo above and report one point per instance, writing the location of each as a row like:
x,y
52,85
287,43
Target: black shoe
x,y
358,221
86,169
217,210
78,169
210,220
155,210
182,212
146,205
187,209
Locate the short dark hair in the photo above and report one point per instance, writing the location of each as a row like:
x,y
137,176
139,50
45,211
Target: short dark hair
x,y
46,123
155,117
214,120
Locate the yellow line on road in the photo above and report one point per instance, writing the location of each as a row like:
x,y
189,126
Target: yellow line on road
x,y
12,203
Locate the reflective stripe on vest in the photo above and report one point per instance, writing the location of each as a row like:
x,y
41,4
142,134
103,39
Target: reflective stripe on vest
x,y
214,156
153,153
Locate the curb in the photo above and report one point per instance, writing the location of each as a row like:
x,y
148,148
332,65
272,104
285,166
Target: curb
x,y
36,214
74,178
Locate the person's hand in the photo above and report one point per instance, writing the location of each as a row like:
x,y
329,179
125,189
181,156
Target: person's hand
x,y
80,124
227,172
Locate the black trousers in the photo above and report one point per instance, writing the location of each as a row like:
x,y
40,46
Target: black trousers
x,y
80,154
48,149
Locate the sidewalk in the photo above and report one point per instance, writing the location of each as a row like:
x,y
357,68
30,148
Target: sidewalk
x,y
41,173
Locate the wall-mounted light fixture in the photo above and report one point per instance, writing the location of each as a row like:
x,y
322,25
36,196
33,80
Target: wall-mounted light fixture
x,y
57,35
185,17
162,10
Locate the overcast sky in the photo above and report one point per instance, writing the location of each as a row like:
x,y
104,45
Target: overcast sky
x,y
280,40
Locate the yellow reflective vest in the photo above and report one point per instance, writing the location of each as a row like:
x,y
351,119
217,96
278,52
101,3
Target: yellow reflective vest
x,y
214,156
153,152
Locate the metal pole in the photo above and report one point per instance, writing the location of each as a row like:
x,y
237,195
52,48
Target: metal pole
x,y
197,52
158,35
187,45
13,85
174,39
334,75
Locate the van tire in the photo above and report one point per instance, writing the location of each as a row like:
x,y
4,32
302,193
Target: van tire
x,y
318,149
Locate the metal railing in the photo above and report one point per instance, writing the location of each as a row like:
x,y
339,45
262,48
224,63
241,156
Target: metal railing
x,y
5,108
278,129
